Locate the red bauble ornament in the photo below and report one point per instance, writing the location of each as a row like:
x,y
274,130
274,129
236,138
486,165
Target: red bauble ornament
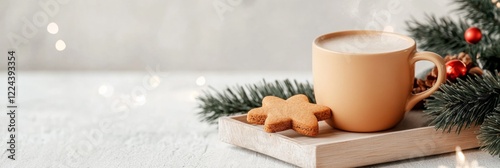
x,y
455,69
473,35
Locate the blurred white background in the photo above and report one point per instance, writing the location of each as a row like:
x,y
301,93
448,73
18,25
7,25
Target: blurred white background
x,y
150,118
180,35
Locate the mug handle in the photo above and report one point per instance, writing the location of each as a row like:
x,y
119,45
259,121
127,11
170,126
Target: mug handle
x,y
439,62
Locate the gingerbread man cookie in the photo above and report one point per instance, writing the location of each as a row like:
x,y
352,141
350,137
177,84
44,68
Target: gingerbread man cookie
x,y
296,113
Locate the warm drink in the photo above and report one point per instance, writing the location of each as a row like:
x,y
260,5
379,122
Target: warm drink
x,y
365,43
366,77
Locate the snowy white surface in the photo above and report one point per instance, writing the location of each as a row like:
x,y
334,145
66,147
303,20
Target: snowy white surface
x,y
73,119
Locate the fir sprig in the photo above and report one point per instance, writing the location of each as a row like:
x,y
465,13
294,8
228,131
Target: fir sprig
x,y
445,36
482,13
465,103
492,57
472,101
489,134
240,99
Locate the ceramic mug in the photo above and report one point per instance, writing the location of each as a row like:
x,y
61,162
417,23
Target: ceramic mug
x,y
366,78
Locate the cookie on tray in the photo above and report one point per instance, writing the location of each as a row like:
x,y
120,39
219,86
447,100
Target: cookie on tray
x,y
294,113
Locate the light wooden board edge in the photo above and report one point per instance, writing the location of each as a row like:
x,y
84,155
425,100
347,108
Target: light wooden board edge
x,y
399,145
235,132
393,146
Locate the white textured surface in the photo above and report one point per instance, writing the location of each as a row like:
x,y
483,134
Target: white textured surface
x,y
61,116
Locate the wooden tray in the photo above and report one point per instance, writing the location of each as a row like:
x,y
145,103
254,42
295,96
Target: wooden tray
x,y
334,148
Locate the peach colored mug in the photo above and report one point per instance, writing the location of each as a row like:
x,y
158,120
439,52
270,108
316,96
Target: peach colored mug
x,y
366,78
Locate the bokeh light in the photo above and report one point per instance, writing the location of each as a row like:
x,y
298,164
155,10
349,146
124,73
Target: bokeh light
x,y
106,90
60,45
52,28
200,81
154,81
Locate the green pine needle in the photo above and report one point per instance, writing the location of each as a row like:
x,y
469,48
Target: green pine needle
x,y
239,99
489,134
472,101
465,103
446,36
482,13
443,36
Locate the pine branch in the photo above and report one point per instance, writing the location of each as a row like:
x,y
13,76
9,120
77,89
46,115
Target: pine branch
x,y
465,103
489,134
239,99
442,36
485,15
491,57
481,13
445,36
